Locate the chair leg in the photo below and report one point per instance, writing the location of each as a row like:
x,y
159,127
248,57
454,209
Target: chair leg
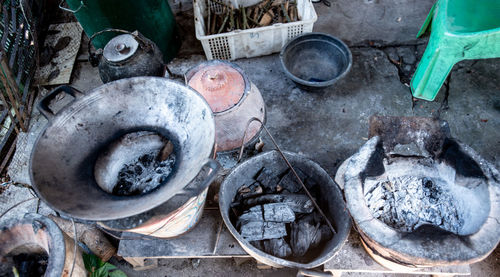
x,y
431,73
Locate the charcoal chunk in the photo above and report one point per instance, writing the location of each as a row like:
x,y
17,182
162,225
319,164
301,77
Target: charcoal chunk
x,y
290,183
249,191
257,244
323,234
302,235
277,247
299,203
278,212
259,230
268,179
272,212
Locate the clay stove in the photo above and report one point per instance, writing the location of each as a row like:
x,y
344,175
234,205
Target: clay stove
x,y
421,198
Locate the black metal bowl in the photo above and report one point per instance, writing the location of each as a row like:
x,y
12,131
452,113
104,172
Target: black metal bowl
x,y
315,60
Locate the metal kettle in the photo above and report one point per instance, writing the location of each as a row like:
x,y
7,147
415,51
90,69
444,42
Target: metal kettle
x,y
126,55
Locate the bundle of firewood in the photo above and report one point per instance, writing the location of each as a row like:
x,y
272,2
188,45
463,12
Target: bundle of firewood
x,y
265,13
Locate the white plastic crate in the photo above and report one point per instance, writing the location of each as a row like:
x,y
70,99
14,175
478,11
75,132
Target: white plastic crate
x,y
251,42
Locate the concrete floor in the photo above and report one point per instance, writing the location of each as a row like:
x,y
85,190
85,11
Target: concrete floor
x,y
330,126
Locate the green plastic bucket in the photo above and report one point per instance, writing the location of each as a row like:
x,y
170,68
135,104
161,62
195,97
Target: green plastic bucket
x,y
152,18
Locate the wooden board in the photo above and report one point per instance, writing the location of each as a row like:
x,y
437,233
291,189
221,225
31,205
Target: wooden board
x,y
199,242
62,60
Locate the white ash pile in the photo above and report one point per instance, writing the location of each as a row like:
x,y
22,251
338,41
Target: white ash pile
x,y
274,214
408,202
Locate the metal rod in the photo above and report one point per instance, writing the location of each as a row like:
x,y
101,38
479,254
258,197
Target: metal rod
x,y
7,157
17,204
289,166
74,249
120,237
218,237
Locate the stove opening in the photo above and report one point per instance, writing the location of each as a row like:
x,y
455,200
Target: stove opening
x,y
135,164
415,193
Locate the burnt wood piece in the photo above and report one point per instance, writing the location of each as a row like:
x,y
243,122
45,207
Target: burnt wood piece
x,y
250,191
268,179
272,212
258,244
259,230
289,181
299,203
324,234
277,247
302,235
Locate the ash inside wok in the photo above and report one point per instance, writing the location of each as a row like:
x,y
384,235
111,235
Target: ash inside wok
x,y
137,163
143,174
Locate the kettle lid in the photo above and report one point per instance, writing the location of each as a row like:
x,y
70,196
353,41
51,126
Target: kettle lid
x,y
120,48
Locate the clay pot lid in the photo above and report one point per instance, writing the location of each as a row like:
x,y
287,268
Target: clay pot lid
x,y
219,83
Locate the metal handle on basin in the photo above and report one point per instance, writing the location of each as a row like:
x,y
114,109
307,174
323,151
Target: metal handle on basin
x,y
43,105
199,188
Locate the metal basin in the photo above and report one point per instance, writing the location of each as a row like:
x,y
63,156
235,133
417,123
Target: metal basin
x,y
332,204
315,60
63,159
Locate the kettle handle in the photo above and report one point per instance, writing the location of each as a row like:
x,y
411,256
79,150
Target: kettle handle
x,y
94,61
43,105
196,190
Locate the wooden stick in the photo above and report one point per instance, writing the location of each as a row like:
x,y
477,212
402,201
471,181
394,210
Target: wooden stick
x,y
209,20
89,235
256,24
285,13
231,19
214,22
223,24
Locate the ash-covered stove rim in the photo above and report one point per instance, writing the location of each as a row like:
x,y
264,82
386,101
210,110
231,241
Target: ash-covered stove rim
x,y
408,246
225,200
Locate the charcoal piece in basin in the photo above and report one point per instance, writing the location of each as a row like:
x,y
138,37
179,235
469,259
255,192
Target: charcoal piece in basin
x,y
299,203
268,179
259,230
257,244
290,183
277,247
250,191
303,233
272,212
323,234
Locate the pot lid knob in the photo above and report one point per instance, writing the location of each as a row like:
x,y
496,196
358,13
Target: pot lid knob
x,y
120,48
220,84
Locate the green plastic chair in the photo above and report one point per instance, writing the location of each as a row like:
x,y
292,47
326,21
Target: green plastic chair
x,y
461,30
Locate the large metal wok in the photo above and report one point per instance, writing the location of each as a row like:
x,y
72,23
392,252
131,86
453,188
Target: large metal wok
x,y
63,159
